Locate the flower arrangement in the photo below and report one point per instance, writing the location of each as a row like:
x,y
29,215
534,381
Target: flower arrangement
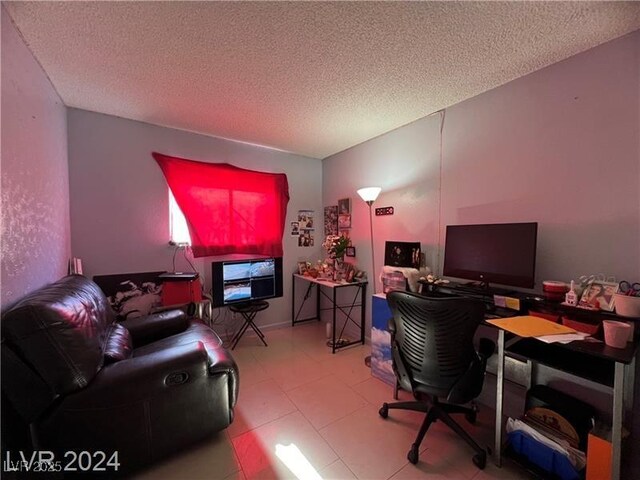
x,y
336,245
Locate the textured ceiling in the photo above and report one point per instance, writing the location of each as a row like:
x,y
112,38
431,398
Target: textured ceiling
x,y
312,78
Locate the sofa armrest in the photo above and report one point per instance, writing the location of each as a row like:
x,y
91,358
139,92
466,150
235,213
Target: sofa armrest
x,y
138,378
153,327
222,363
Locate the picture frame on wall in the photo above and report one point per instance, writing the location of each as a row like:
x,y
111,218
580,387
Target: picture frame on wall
x,y
344,221
344,206
350,251
402,254
599,294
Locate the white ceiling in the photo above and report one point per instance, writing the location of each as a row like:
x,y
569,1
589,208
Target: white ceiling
x,y
312,78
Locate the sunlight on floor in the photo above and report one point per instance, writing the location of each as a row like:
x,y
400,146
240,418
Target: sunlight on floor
x,y
295,461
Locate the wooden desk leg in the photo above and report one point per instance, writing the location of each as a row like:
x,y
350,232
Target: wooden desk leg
x,y
616,428
497,453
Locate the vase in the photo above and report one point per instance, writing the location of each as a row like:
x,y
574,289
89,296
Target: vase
x,y
338,268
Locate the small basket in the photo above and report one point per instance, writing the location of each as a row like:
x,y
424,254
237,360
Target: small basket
x,y
627,305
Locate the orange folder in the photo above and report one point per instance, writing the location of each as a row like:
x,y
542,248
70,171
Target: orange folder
x,y
530,326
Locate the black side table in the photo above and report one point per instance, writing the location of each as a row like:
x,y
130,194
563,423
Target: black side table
x,y
248,312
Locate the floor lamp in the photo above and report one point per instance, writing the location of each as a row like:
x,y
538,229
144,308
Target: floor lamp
x,y
369,195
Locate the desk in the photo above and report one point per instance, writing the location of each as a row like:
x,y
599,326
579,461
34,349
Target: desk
x,y
597,362
346,310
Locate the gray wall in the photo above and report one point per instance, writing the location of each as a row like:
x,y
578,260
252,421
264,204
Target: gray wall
x,y
560,146
119,197
35,190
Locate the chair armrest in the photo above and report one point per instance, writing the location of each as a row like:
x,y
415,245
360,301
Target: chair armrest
x,y
129,381
153,327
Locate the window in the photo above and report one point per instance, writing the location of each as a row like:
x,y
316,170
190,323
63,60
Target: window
x,y
178,229
229,209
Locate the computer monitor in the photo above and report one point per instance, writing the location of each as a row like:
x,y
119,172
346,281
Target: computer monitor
x,y
242,281
503,253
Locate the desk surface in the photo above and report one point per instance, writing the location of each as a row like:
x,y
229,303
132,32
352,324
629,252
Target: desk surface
x,y
328,283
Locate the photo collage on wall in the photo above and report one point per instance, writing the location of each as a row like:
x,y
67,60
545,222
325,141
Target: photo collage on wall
x,y
344,216
337,218
331,220
304,228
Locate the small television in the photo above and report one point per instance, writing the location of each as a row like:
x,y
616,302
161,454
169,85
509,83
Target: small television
x,y
503,253
244,281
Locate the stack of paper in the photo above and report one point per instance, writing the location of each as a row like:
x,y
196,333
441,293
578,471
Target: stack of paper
x,y
563,338
530,326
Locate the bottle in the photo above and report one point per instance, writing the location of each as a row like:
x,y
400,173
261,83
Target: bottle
x,y
570,297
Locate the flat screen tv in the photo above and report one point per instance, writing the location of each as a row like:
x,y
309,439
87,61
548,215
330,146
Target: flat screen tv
x,y
243,281
503,253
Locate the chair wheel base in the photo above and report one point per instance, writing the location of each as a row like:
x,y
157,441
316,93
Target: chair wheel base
x,y
384,410
412,456
472,416
480,460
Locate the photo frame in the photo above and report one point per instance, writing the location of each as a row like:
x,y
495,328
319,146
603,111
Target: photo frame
x,y
402,254
360,276
302,268
350,251
344,221
599,294
344,206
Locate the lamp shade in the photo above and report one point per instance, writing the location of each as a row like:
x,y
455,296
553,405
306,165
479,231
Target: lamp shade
x,y
369,194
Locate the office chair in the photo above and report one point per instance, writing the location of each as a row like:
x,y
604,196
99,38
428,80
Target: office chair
x,y
434,358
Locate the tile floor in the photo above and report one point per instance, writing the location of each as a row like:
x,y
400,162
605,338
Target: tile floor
x,y
305,413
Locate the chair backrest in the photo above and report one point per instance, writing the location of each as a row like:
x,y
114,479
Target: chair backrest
x,y
434,339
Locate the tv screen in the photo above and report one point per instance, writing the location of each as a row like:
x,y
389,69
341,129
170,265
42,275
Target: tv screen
x,y
503,253
238,281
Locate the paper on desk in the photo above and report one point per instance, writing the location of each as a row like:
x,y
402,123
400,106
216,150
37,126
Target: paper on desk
x,y
563,338
530,326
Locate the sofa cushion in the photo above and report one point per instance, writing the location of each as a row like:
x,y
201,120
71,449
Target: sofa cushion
x,y
118,346
61,330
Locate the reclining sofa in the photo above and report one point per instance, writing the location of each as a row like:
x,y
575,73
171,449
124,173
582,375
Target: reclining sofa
x,y
81,381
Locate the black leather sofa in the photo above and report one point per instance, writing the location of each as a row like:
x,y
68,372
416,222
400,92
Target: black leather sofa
x,y
81,381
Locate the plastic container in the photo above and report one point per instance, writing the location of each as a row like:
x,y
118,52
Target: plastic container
x,y
616,334
627,305
583,327
554,290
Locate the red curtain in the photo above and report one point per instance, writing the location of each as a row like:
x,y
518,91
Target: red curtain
x,y
228,209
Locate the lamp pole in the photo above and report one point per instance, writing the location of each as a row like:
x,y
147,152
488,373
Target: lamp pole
x,y
373,257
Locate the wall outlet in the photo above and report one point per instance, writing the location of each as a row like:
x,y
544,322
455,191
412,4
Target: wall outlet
x,y
384,211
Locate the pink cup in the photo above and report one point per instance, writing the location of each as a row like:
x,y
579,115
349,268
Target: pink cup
x,y
616,334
